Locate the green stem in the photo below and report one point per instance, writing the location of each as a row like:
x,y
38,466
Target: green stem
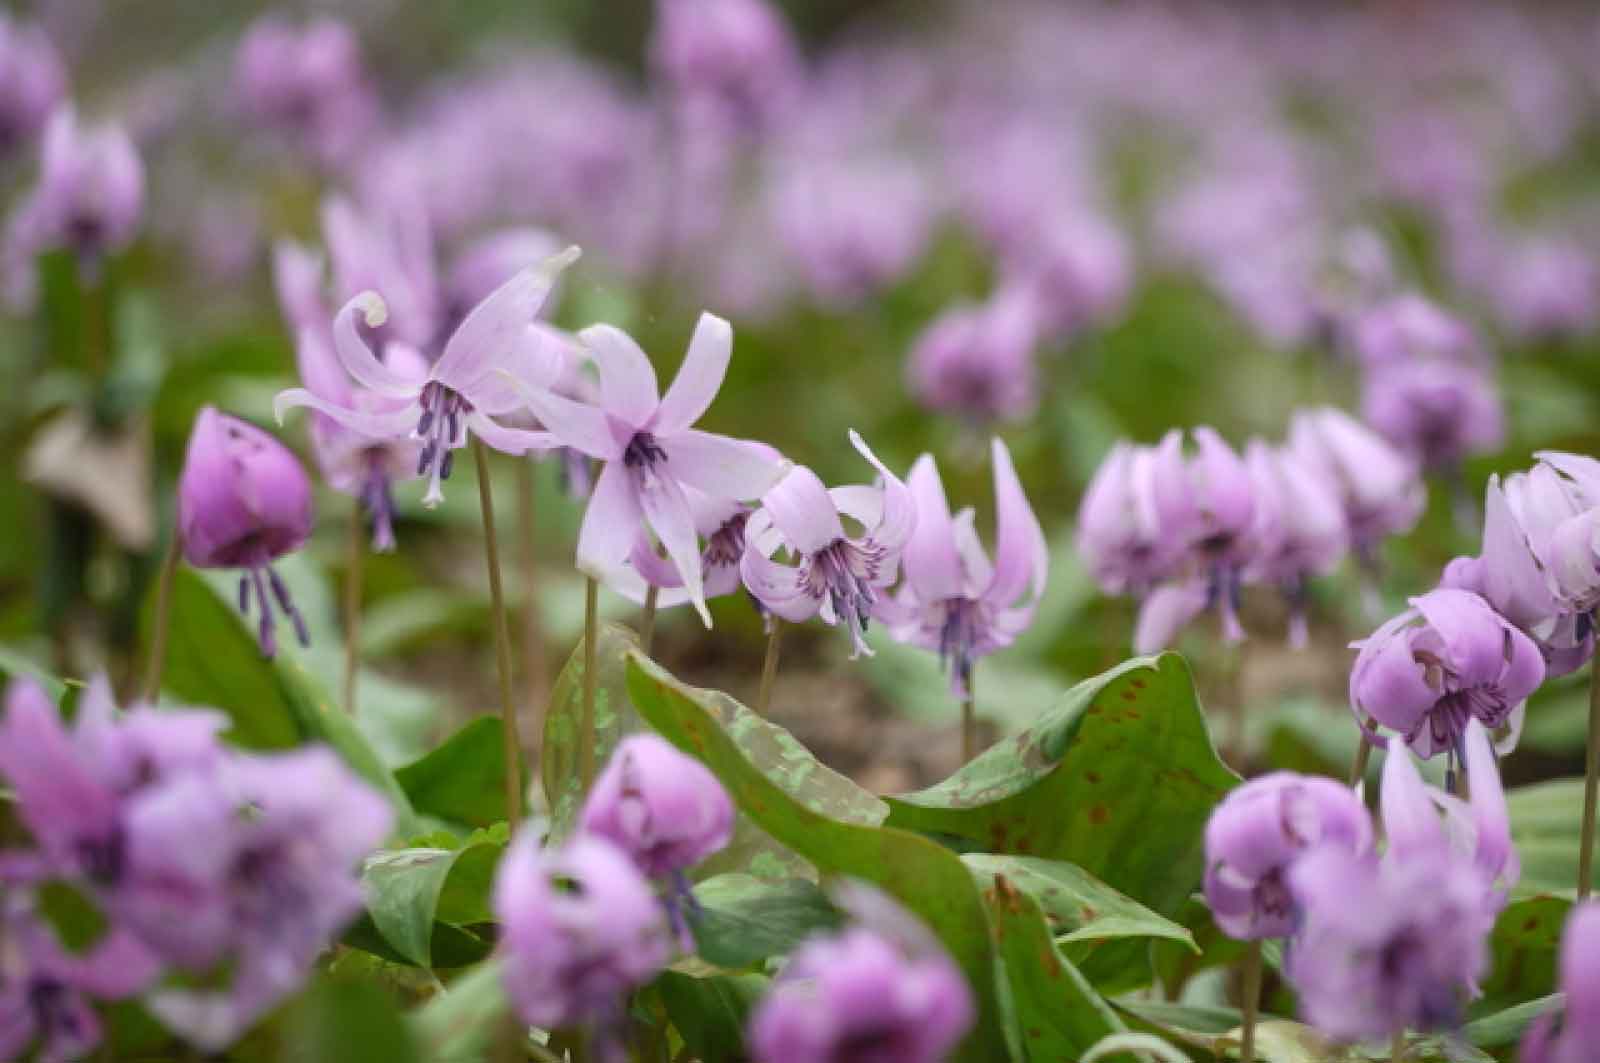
x,y
969,724
1250,993
1591,788
356,549
769,667
502,643
533,655
163,619
647,623
1358,770
591,636
1397,1047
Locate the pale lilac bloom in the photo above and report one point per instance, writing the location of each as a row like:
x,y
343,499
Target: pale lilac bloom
x,y
389,249
856,995
977,361
1448,660
1078,270
652,456
244,502
1439,412
824,570
1126,526
493,358
663,808
1574,1037
1558,505
1216,500
737,56
1549,287
307,84
720,523
1379,487
580,928
32,81
954,600
1257,833
1409,328
1299,529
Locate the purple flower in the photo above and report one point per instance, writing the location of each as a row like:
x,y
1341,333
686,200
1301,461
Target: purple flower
x,y
1409,328
274,883
493,358
856,996
1448,660
32,82
243,502
1547,288
1078,271
977,361
1558,506
1299,529
1575,1038
825,571
389,250
1257,833
663,808
720,522
488,262
735,55
953,600
1127,517
1379,487
579,928
652,456
306,84
1438,412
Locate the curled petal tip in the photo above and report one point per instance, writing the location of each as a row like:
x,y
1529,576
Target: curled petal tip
x,y
374,311
562,259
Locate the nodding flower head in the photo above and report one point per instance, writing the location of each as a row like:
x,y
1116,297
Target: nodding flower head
x,y
1128,522
1299,529
735,55
954,600
306,84
1437,412
663,808
978,362
243,502
1448,660
1380,488
800,561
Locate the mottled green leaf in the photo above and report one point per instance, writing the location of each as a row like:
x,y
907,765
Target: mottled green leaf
x,y
710,1013
613,718
1118,778
745,920
1524,945
409,892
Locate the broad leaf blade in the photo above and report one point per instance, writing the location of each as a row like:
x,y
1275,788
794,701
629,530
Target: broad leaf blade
x,y
462,781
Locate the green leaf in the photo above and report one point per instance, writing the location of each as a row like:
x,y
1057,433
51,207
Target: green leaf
x,y
745,920
272,705
410,892
1058,1014
1106,933
346,1021
462,781
613,718
1118,778
710,1013
1506,1027
461,1023
928,879
1546,823
1524,943
17,665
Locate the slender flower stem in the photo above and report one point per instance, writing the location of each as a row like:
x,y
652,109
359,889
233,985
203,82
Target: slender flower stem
x,y
502,643
1397,1047
356,549
163,618
1250,992
1358,770
1591,788
969,724
536,678
591,635
769,667
647,623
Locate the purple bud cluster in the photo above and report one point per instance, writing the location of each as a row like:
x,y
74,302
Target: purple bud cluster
x,y
219,876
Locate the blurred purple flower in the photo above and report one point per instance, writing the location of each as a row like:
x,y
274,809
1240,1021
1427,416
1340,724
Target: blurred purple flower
x,y
1077,269
1575,1037
663,808
1126,521
1255,835
1379,487
389,249
492,360
1448,660
652,454
1438,412
306,84
978,361
579,929
953,600
736,56
856,996
1408,328
243,502
32,81
1299,529
1548,287
825,571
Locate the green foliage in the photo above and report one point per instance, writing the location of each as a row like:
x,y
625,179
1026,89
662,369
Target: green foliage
x,y
425,901
746,920
710,1011
463,780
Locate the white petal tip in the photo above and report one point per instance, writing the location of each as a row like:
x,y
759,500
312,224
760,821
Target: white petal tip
x,y
561,260
374,311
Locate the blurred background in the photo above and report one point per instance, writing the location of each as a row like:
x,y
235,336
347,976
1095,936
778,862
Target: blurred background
x,y
1062,223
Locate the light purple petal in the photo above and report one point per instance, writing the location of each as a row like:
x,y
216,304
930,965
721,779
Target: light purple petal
x,y
933,567
666,507
802,511
899,510
699,378
721,465
510,440
1021,558
1495,853
1386,681
498,326
582,427
1410,817
387,424
1473,634
1164,613
627,379
611,523
776,586
357,358
1510,576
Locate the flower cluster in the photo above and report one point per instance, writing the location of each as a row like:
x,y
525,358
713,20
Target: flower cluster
x,y
211,935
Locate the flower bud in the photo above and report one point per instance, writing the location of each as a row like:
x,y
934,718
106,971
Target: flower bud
x,y
32,82
663,808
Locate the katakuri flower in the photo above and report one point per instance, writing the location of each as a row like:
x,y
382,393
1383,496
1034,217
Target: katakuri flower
x,y
580,927
32,81
1299,529
1448,660
663,808
1574,1037
652,456
720,522
1257,833
389,249
492,360
977,361
1379,487
954,600
824,570
1127,527
1408,328
243,502
307,84
736,55
1438,412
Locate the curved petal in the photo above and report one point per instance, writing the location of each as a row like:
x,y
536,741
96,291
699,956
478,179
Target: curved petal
x,y
899,511
1490,815
510,440
610,524
699,378
1410,818
776,586
319,367
1473,633
980,571
496,326
1386,681
802,511
666,508
721,465
584,428
530,359
933,567
1511,577
627,379
862,503
357,358
1164,613
1021,558
386,424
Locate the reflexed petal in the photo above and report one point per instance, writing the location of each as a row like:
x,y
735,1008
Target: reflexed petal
x,y
699,378
666,507
933,567
862,503
801,509
721,465
979,570
1509,574
1581,469
899,510
1164,613
777,587
627,379
532,360
357,358
584,428
510,440
1410,818
1474,634
389,424
319,367
1021,558
610,524
497,326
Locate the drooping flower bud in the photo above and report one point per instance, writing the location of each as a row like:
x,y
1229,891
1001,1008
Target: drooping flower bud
x,y
1255,835
663,808
243,502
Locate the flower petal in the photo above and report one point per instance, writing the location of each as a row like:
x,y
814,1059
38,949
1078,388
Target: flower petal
x,y
510,440
933,566
699,378
498,326
1164,613
627,379
666,507
357,358
899,510
1510,575
802,511
777,587
610,524
721,465
386,424
577,425
1021,558
1490,815
1410,817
